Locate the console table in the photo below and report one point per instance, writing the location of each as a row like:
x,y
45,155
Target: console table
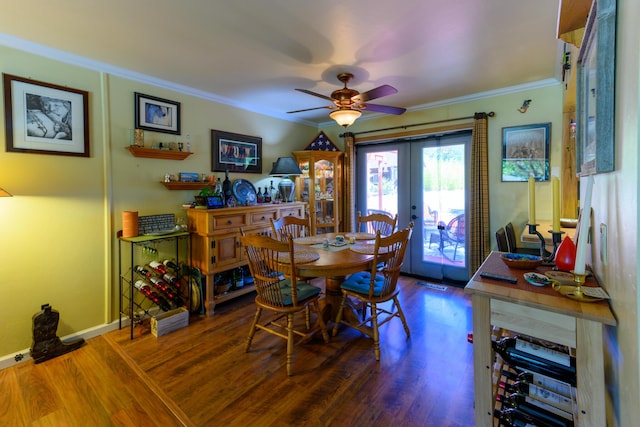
x,y
539,312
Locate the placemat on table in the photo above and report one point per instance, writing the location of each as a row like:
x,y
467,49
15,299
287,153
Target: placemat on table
x,y
300,257
310,240
366,248
361,236
330,248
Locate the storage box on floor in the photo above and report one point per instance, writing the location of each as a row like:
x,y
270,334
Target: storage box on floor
x,y
169,321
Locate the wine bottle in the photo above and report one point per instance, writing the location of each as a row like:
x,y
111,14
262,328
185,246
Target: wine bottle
x,y
537,408
259,196
266,196
514,417
226,187
542,414
158,267
173,279
146,290
160,285
540,380
172,265
506,348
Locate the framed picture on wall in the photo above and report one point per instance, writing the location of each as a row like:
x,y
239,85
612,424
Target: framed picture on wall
x,y
235,152
157,114
525,152
44,118
595,91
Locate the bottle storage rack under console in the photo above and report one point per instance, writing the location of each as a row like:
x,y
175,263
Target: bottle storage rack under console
x,y
147,284
525,312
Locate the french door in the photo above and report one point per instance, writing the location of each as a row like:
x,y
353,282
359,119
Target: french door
x,y
423,180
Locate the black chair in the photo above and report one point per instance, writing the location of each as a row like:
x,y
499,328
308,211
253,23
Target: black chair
x,y
501,239
514,248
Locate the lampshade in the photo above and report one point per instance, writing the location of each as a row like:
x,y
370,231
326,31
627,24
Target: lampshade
x,y
4,193
345,117
283,167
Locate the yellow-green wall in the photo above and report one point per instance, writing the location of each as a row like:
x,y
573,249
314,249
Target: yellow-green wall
x,y
57,234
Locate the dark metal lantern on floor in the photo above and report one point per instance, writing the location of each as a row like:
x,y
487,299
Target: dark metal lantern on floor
x,y
46,344
284,167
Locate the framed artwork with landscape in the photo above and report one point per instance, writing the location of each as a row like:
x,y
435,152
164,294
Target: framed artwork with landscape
x,y
235,152
157,114
525,152
44,118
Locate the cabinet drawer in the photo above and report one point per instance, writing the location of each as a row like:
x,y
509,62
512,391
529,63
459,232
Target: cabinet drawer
x,y
263,217
293,211
235,220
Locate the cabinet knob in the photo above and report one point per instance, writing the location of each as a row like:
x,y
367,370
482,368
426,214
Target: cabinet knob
x,y
229,221
264,217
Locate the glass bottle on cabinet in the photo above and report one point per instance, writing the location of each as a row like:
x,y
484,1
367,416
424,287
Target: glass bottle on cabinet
x,y
320,186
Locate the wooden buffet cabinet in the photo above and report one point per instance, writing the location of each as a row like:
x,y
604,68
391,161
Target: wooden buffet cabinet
x,y
321,186
215,240
542,313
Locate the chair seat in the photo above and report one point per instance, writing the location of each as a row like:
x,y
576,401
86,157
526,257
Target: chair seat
x,y
305,291
361,281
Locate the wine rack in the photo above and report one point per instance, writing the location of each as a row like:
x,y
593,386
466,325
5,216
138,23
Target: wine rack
x,y
134,305
542,313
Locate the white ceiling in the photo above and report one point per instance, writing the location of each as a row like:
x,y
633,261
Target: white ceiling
x,y
252,54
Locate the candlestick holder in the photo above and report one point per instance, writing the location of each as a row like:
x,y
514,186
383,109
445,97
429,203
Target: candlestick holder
x,y
575,292
556,239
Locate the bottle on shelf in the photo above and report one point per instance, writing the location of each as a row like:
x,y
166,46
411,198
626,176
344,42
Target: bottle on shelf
x,y
515,417
152,295
172,265
218,189
158,267
266,196
537,408
238,278
540,380
513,352
226,187
259,196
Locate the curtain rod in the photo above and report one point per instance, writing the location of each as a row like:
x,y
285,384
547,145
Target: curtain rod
x,y
491,114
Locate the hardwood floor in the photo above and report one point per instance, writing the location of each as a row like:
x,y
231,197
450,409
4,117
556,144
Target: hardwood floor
x,y
201,376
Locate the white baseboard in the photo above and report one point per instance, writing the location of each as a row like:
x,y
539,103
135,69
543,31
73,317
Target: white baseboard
x,y
25,355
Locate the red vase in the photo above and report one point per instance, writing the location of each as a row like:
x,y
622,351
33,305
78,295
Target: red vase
x,y
566,255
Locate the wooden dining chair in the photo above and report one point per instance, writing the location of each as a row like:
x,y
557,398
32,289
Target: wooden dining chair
x,y
290,226
378,221
513,245
375,287
282,294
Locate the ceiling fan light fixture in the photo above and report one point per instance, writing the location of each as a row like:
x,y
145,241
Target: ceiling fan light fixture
x,y
345,117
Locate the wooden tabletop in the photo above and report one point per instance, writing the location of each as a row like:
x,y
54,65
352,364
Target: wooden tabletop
x,y
534,296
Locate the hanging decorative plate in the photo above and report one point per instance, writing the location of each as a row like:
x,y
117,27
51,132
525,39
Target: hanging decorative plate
x,y
244,191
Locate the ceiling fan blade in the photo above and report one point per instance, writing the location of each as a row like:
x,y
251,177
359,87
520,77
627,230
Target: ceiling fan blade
x,y
319,95
387,109
309,109
378,92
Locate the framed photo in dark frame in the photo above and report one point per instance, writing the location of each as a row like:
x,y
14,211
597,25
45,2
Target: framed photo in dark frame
x,y
44,118
156,114
235,152
525,152
595,91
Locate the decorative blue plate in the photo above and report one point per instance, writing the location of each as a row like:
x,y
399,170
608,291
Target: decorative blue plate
x,y
244,191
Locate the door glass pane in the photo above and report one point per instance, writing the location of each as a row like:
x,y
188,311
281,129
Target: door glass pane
x,y
382,182
443,204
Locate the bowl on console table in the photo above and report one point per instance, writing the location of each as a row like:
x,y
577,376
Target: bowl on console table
x,y
521,261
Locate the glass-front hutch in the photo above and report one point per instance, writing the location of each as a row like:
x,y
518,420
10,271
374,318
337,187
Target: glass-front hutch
x,y
320,186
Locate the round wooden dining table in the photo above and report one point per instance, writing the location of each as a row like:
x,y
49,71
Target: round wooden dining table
x,y
334,263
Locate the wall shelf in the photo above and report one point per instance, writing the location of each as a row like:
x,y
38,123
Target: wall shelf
x,y
153,153
176,185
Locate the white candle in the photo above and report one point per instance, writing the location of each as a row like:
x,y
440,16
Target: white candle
x,y
583,232
555,181
532,200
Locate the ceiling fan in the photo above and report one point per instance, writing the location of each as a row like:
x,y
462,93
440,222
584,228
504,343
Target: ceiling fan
x,y
347,102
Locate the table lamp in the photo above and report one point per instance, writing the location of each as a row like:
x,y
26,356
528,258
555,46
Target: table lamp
x,y
283,167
